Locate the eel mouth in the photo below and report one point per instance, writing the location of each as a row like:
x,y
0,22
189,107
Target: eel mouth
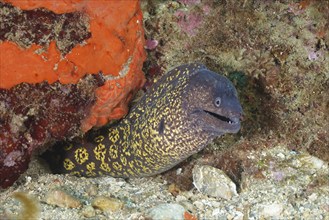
x,y
231,121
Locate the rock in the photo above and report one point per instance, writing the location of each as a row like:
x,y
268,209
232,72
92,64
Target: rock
x,y
88,212
30,207
238,216
312,163
271,210
174,189
313,197
199,205
180,198
167,211
62,199
107,204
92,190
213,182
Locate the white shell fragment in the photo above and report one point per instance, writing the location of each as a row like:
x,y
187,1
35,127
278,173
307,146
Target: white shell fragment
x,y
213,182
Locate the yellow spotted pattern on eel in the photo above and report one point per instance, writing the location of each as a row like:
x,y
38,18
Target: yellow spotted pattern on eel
x,y
81,155
68,164
100,152
91,167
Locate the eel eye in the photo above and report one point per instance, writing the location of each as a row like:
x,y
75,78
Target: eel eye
x,y
217,102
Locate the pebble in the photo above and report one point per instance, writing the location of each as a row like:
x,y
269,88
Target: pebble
x,y
213,182
218,213
281,156
313,197
151,44
30,207
180,198
312,162
238,216
107,204
199,205
272,210
179,171
174,189
92,190
88,212
62,199
170,211
28,180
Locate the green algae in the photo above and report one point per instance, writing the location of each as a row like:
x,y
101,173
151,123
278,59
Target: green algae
x,y
239,79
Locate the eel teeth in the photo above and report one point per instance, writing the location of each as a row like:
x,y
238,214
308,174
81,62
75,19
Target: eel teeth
x,y
233,120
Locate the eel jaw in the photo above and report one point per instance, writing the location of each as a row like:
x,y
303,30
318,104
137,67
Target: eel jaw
x,y
229,124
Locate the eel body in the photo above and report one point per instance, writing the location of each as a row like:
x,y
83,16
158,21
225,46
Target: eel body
x,y
177,117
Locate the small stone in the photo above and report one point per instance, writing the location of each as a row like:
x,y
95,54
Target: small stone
x,y
107,204
30,207
137,216
151,44
272,210
62,199
171,211
179,171
213,182
189,216
281,156
312,162
180,198
229,217
313,197
174,189
92,190
28,180
238,216
199,205
88,212
216,212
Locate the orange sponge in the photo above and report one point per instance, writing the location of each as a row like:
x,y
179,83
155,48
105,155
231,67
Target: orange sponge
x,y
114,48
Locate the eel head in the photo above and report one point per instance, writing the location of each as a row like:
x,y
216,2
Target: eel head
x,y
212,103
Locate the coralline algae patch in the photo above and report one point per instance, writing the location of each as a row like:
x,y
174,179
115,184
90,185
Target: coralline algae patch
x,y
65,67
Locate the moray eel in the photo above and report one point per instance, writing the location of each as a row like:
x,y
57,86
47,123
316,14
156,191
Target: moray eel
x,y
177,117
